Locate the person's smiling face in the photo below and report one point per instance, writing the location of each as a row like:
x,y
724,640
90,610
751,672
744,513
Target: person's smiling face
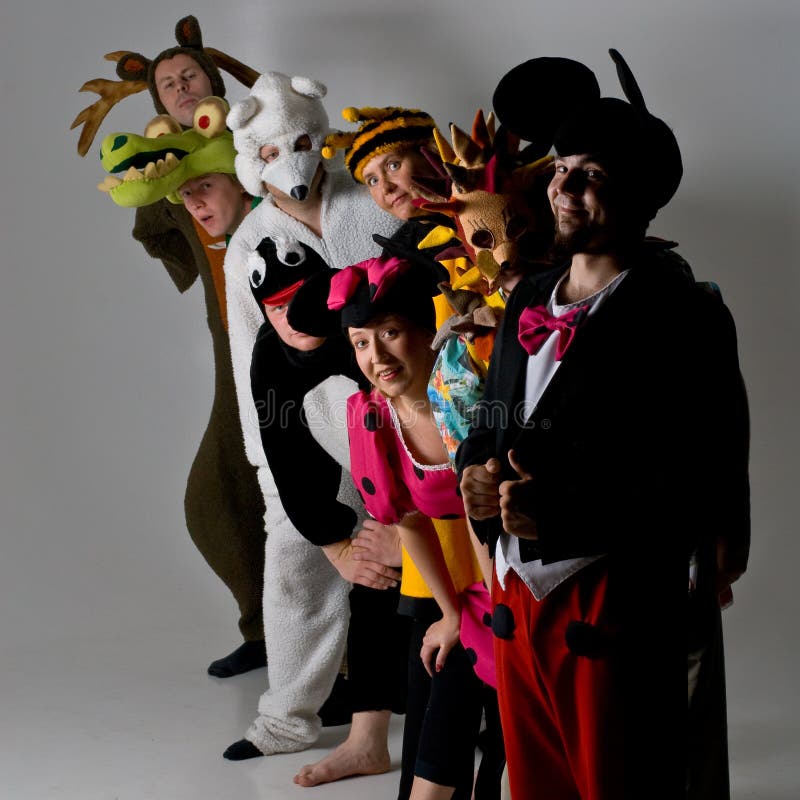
x,y
394,354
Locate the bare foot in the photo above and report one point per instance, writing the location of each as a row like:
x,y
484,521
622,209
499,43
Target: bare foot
x,y
346,760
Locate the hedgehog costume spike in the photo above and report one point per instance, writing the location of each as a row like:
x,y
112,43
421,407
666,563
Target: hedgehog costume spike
x,y
223,507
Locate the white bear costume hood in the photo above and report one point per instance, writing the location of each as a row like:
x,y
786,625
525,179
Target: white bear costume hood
x,y
280,111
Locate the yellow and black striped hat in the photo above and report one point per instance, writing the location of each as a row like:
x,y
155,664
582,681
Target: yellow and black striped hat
x,y
382,130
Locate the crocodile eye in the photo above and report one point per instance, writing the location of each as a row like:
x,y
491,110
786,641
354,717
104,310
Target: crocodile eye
x,y
209,116
161,125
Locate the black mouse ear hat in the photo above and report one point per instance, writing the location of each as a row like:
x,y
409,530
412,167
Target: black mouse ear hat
x,y
628,138
535,97
567,112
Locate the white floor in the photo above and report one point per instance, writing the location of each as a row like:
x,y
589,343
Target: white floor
x,y
114,723
92,715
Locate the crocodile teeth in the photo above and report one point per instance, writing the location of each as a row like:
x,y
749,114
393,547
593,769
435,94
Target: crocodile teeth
x,y
150,171
161,167
132,174
171,161
109,183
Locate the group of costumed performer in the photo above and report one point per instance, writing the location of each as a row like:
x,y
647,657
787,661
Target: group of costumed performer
x,y
314,216
223,505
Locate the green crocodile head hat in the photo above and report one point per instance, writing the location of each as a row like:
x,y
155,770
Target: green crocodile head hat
x,y
145,169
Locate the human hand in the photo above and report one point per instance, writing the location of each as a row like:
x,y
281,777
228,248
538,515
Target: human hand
x,y
366,573
439,640
479,490
376,542
516,503
731,564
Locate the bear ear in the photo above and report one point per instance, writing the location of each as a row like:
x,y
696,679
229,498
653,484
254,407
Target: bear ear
x,y
309,87
133,67
187,32
242,112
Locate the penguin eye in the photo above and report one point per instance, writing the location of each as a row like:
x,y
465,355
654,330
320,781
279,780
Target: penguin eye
x,y
294,257
256,278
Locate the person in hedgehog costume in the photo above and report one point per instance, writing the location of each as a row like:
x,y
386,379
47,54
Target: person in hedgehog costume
x,y
279,130
223,505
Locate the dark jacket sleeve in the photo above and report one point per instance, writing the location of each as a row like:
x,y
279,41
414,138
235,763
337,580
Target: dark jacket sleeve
x,y
494,409
164,230
306,476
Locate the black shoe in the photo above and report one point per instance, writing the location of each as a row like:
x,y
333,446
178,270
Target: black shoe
x,y
241,750
249,655
338,708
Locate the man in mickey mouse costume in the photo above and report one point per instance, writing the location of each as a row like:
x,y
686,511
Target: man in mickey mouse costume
x,y
611,446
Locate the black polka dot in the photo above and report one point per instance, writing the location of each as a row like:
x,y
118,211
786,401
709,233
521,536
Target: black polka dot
x,y
450,516
503,621
472,656
487,620
419,473
371,421
369,486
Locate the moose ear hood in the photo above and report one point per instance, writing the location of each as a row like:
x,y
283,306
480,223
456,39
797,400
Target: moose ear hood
x,y
190,43
136,74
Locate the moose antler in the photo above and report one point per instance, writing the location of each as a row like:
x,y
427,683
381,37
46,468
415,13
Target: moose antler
x,y
111,92
247,76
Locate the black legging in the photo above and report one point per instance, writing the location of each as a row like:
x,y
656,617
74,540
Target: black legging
x,y
377,647
442,725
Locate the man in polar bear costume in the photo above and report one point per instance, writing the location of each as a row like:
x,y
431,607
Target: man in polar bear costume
x,y
279,130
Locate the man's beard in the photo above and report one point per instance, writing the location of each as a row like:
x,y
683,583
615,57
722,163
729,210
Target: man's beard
x,y
589,238
567,242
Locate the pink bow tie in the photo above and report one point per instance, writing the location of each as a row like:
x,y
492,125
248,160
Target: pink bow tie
x,y
536,325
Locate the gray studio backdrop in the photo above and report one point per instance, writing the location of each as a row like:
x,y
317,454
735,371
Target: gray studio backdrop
x,y
106,371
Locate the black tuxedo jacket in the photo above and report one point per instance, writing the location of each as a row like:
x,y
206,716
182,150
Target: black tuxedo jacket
x,y
639,445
